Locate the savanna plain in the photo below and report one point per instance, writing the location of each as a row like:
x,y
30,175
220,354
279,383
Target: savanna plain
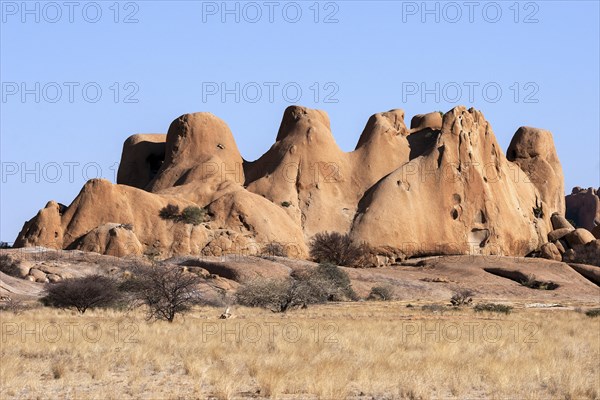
x,y
362,350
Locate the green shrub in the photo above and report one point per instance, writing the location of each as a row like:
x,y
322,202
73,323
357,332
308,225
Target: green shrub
x,y
190,215
193,215
491,307
285,204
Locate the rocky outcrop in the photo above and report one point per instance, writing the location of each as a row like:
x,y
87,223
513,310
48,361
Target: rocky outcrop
x,y
321,183
533,151
443,186
141,159
457,198
588,253
583,207
550,252
572,245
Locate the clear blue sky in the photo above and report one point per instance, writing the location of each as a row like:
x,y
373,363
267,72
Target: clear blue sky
x,y
364,57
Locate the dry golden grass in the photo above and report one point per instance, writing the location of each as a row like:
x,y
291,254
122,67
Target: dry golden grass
x,y
355,350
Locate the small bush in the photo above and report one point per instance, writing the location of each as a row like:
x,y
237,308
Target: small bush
x,y
270,294
193,215
338,249
441,113
82,293
532,283
285,204
491,307
383,293
274,249
190,215
171,211
461,298
8,265
593,312
165,290
334,280
324,283
129,227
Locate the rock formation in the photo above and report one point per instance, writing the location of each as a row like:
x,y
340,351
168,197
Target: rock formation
x,y
443,186
533,150
583,207
465,196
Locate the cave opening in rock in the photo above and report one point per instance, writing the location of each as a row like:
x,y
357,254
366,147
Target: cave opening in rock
x,y
155,161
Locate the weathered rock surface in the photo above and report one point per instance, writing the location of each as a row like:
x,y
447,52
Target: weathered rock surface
x,y
306,168
422,121
560,246
110,239
588,253
141,159
591,272
583,207
579,236
442,187
533,150
558,234
550,252
464,192
560,222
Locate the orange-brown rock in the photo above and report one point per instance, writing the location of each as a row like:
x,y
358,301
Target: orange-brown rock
x,y
458,198
558,234
201,159
322,184
141,159
579,236
560,222
550,252
442,187
110,239
431,120
533,150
